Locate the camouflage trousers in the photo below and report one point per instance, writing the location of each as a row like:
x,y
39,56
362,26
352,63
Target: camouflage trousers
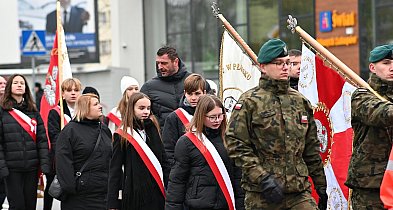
x,y
292,201
366,200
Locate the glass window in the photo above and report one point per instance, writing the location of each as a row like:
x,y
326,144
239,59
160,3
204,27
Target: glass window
x,y
196,33
263,22
303,11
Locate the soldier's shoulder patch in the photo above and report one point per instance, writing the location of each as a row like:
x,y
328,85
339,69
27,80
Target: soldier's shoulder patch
x,y
238,106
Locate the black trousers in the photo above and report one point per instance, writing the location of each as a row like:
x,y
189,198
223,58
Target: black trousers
x,y
21,189
2,192
48,200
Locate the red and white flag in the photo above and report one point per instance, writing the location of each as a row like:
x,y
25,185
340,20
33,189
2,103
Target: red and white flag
x,y
57,66
330,96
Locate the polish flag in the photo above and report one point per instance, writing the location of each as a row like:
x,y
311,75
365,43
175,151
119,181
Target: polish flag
x,y
330,96
59,64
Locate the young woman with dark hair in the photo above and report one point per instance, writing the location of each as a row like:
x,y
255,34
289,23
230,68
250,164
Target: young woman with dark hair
x,y
23,144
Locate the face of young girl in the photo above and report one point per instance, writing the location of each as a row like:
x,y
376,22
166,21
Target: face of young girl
x,y
142,109
131,90
18,86
214,118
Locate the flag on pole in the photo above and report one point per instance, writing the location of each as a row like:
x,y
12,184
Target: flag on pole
x,y
330,96
51,95
386,192
237,72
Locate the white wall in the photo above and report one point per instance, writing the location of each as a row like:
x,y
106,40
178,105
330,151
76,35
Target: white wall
x,y
127,37
155,33
9,38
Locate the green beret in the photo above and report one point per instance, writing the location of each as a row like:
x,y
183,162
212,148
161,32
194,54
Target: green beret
x,y
381,52
272,49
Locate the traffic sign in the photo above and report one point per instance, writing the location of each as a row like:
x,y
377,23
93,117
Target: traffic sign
x,y
33,42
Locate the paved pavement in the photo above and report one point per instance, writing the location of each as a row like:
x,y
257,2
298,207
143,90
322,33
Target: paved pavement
x,y
40,204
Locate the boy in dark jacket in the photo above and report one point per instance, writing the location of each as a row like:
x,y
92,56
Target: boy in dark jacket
x,y
71,90
194,88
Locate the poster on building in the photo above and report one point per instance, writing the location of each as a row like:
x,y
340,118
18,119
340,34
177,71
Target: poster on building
x,y
79,19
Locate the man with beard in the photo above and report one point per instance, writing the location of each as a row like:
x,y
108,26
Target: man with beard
x,y
167,88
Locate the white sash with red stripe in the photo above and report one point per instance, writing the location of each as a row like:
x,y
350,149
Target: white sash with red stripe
x,y
148,157
216,165
27,123
183,115
67,118
113,116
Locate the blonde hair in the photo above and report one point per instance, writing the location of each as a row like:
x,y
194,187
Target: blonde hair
x,y
206,104
68,83
82,106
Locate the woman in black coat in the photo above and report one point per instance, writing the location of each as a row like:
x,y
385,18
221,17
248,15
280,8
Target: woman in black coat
x,y
23,144
191,181
137,188
75,144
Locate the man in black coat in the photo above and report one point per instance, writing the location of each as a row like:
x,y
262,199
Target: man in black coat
x,y
74,18
167,88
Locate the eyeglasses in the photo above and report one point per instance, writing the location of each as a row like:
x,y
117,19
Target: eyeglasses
x,y
213,118
294,63
280,64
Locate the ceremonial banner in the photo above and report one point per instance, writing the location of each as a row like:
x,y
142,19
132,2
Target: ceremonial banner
x,y
237,72
51,95
330,96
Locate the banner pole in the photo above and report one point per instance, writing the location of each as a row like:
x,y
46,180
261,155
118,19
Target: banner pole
x,y
292,25
60,60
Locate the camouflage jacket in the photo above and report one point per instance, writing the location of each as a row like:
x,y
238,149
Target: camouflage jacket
x,y
272,131
372,121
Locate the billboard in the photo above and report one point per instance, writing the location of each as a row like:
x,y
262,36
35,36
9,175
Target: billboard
x,y
80,25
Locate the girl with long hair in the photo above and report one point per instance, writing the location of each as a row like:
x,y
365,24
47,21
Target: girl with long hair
x,y
136,144
194,180
23,144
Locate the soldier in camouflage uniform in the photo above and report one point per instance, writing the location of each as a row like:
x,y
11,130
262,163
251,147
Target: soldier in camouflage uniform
x,y
372,121
272,136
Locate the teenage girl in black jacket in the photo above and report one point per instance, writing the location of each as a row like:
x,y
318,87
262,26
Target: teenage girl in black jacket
x,y
20,154
136,188
191,181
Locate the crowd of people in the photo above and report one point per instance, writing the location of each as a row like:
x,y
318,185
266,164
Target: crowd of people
x,y
168,145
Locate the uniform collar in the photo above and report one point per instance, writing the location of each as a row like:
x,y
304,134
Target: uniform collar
x,y
383,87
275,86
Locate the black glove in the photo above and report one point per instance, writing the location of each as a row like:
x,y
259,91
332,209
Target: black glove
x,y
271,190
323,198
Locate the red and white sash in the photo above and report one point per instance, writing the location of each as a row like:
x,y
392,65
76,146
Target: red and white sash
x,y
148,157
216,165
27,123
113,116
183,115
67,118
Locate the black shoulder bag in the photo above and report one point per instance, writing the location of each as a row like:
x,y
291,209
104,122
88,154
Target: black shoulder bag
x,y
55,189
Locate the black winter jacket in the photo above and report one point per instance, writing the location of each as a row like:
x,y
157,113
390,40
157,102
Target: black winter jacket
x,y
165,92
139,189
193,183
18,151
173,130
74,145
54,130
